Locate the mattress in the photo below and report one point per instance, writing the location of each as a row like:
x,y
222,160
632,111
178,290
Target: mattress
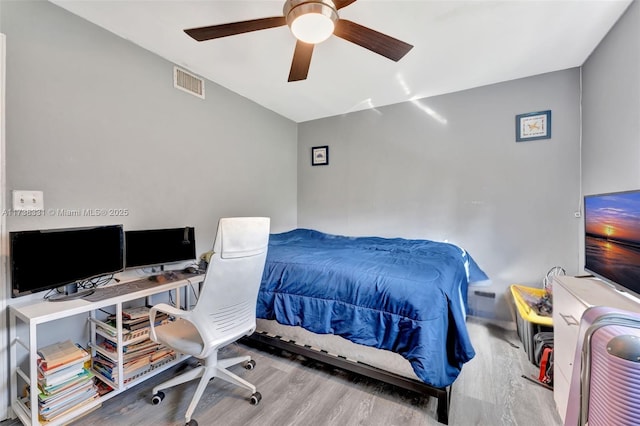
x,y
339,346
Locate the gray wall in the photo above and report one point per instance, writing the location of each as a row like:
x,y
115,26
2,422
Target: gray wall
x,y
456,174
611,109
611,112
94,122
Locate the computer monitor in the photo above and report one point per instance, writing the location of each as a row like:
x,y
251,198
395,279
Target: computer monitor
x,y
45,259
612,238
154,247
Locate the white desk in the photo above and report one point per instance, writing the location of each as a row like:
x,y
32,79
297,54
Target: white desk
x,y
34,314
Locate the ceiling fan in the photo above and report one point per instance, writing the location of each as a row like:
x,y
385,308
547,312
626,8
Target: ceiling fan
x,y
311,22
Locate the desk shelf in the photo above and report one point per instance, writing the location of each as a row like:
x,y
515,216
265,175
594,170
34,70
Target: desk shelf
x,y
25,406
114,354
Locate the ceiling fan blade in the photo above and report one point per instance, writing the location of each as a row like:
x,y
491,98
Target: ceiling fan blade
x,y
375,41
342,3
224,30
301,61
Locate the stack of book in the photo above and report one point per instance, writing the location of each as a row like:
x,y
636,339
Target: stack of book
x,y
138,318
63,381
139,353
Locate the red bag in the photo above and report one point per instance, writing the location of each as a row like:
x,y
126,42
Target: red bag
x,y
546,367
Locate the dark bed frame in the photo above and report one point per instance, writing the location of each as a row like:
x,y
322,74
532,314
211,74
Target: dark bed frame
x,y
443,395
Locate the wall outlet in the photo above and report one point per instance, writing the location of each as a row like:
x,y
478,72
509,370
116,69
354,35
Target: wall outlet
x,y
28,200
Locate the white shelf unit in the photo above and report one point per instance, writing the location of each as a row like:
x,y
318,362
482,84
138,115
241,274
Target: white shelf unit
x,y
34,314
101,330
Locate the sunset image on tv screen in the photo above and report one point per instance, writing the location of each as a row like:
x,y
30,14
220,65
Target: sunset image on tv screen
x,y
612,237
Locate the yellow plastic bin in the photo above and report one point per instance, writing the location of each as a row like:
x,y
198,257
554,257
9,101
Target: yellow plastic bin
x,y
528,321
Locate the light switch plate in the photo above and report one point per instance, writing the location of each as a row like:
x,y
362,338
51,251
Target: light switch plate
x,y
28,200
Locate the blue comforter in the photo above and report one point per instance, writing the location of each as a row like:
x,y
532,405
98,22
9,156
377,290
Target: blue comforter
x,y
406,296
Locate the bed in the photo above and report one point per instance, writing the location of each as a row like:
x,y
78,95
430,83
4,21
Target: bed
x,y
393,309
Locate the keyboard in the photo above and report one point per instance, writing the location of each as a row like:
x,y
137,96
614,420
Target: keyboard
x,y
107,292
71,296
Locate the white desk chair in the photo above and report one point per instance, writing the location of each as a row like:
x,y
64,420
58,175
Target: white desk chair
x,y
225,310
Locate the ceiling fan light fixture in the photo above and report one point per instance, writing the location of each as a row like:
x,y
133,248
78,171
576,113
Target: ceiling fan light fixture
x,y
311,21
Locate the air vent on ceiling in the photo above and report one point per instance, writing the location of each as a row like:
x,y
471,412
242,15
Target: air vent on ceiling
x,y
188,82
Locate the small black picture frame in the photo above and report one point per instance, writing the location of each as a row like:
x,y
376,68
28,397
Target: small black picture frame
x,y
533,126
320,155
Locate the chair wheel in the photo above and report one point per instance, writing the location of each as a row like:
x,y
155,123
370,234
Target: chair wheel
x,y
157,398
255,398
250,365
191,423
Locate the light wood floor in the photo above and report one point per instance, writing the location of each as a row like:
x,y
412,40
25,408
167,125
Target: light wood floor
x,y
489,391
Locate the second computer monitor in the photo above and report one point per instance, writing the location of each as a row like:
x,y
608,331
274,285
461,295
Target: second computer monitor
x,y
152,247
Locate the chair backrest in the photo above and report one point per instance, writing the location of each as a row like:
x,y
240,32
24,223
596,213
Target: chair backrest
x,y
230,290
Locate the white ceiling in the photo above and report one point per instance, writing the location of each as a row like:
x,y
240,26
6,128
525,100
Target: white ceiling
x,y
457,45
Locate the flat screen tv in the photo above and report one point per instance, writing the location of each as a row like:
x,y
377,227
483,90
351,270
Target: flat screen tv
x,y
612,238
45,259
154,247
